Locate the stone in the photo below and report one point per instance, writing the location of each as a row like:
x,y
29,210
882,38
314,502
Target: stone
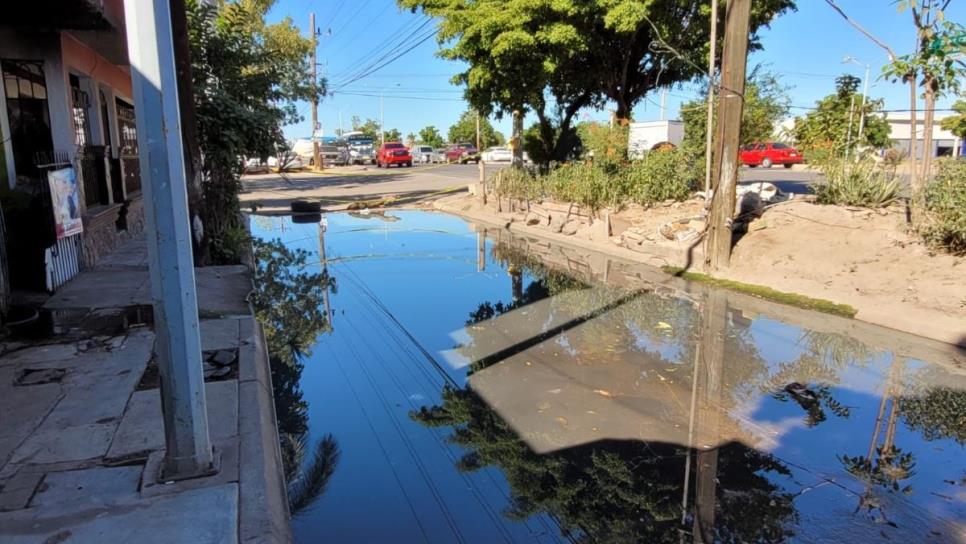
x,y
32,376
223,357
532,219
570,228
557,222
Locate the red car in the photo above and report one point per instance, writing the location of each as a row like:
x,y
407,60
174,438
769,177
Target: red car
x,y
768,154
463,153
391,153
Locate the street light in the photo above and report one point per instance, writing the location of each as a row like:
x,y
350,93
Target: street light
x,y
865,90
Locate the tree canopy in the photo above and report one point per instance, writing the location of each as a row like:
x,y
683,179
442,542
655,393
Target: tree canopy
x,y
370,127
554,57
956,123
430,136
464,130
828,124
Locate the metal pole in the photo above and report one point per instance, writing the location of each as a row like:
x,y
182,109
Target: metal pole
x,y
178,347
709,136
865,93
316,157
382,116
848,140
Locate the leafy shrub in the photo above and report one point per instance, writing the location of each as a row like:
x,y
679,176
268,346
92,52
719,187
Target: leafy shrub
x,y
517,183
586,184
944,203
660,175
893,157
607,144
857,182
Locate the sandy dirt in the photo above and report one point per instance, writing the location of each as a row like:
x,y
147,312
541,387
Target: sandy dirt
x,y
866,259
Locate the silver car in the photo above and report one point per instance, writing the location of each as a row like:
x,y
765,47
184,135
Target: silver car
x,y
425,154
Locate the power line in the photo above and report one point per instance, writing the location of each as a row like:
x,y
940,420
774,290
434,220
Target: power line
x,y
398,97
406,41
384,45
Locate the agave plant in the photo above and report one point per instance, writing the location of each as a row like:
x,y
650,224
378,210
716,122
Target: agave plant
x,y
857,182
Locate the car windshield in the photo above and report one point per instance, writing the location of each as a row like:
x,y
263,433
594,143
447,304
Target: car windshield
x,y
394,146
779,146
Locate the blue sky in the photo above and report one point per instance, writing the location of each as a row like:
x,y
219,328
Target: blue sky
x,y
805,48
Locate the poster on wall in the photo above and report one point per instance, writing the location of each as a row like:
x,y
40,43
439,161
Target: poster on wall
x,y
65,197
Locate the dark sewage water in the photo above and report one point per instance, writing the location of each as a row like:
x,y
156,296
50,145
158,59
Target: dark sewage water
x,y
437,381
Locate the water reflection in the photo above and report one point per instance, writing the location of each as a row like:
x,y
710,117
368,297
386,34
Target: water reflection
x,y
598,401
290,304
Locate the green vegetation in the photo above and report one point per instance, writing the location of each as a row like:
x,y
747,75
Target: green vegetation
x,y
554,58
247,75
857,182
766,104
826,131
464,131
943,200
430,136
369,127
956,123
766,293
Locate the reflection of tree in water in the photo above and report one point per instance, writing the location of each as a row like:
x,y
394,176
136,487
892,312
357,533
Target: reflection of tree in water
x,y
288,302
615,491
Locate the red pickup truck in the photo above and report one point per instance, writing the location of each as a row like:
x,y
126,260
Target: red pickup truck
x,y
391,153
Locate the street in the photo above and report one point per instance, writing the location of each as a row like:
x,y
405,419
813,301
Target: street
x,y
795,180
341,185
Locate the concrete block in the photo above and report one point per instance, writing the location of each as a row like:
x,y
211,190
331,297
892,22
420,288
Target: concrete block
x,y
219,334
142,428
49,352
226,454
78,490
223,290
23,409
16,493
65,444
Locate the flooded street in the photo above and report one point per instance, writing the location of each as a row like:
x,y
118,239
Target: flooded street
x,y
436,382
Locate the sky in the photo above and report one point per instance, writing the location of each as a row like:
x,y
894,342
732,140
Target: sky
x,y
805,48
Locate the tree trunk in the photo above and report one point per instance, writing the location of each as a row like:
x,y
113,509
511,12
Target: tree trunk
x,y
517,138
929,118
189,132
913,138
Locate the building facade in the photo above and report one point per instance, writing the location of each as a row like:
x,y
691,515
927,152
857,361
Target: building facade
x,y
944,143
67,104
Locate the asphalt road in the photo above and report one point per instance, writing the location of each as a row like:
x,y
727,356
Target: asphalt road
x,y
340,185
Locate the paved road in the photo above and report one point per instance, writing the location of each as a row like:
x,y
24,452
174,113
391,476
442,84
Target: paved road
x,y
339,186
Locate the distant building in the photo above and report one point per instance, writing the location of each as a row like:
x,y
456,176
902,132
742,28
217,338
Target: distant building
x,y
944,143
643,137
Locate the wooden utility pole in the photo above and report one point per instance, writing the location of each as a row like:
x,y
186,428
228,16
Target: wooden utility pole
x,y
730,107
480,162
712,61
316,158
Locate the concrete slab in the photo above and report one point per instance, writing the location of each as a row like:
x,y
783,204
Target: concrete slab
x,y
65,444
23,409
141,429
108,288
49,352
202,516
223,290
219,334
16,493
79,490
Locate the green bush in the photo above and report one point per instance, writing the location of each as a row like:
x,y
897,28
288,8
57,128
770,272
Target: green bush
x,y
857,182
586,184
517,183
944,202
660,175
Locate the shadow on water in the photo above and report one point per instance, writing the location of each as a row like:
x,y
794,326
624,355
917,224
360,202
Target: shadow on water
x,y
605,403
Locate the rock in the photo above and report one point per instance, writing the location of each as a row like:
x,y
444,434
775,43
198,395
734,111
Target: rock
x,y
532,219
116,343
570,228
223,357
221,372
557,222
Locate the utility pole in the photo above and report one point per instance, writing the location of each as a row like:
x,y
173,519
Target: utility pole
x,y
154,82
731,105
664,105
848,138
382,117
709,136
316,157
479,163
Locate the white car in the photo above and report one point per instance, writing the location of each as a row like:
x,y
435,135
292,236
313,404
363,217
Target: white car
x,y
497,154
425,154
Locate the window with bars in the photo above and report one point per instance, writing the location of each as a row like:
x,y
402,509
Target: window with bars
x,y
26,103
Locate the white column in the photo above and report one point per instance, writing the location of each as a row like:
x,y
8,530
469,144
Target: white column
x,y
170,261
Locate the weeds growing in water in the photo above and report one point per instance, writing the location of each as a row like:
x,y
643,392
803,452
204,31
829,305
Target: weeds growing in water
x,y
857,182
944,204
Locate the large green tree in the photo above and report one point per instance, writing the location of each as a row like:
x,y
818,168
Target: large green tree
x,y
247,76
554,57
430,136
766,104
369,127
464,130
956,123
828,125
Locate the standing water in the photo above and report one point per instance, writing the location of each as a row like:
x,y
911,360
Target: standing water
x,y
439,382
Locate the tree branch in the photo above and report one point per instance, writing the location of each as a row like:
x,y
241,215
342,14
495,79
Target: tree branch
x,y
854,23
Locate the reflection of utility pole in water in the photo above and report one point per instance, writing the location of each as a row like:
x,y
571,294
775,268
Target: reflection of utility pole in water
x,y
481,250
713,332
325,271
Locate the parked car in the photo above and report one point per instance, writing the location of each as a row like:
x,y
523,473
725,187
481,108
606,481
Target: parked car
x,y
463,153
767,154
497,154
391,153
425,154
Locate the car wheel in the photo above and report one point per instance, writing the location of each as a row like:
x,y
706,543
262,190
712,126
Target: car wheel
x,y
789,165
752,166
409,164
766,163
378,164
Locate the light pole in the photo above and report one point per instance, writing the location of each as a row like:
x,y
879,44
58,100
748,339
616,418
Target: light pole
x,y
865,92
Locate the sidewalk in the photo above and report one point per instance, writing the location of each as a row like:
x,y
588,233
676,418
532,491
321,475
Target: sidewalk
x,y
82,437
